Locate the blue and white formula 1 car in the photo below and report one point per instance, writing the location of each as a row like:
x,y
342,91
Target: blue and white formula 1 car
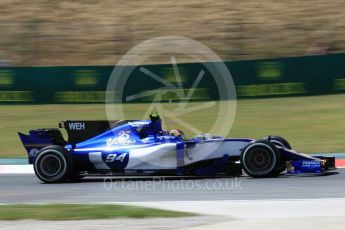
x,y
141,147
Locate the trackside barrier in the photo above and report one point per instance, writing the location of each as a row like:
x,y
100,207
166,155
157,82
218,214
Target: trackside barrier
x,y
281,77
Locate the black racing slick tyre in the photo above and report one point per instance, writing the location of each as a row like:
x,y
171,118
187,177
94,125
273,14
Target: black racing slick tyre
x,y
53,164
279,141
260,159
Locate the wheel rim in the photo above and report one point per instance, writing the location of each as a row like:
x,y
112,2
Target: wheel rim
x,y
259,160
50,165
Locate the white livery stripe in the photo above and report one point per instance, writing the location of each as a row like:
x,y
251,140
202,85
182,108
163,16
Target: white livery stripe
x,y
113,148
96,159
161,156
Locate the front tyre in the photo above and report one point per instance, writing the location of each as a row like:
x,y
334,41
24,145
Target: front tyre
x,y
53,164
280,142
260,159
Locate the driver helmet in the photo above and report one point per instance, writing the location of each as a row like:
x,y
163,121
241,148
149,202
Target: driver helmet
x,y
177,133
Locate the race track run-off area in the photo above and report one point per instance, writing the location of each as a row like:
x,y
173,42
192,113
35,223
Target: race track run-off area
x,y
287,201
26,188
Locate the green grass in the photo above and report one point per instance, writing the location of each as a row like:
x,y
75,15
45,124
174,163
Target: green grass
x,y
81,212
311,124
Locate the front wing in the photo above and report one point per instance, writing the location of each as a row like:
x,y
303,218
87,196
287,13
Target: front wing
x,y
325,164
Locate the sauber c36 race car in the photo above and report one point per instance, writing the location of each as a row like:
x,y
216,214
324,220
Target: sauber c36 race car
x,y
141,147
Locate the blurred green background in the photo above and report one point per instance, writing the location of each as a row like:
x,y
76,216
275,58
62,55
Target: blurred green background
x,y
312,124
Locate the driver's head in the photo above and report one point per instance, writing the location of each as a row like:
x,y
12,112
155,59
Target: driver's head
x,y
177,133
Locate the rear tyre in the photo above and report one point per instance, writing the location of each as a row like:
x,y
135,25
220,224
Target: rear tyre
x,y
53,164
260,159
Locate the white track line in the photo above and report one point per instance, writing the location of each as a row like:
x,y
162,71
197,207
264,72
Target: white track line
x,y
255,209
11,169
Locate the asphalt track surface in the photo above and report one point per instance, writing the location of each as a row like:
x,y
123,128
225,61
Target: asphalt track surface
x,y
26,188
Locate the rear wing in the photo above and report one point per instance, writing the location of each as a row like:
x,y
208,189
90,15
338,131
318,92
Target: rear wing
x,y
77,130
